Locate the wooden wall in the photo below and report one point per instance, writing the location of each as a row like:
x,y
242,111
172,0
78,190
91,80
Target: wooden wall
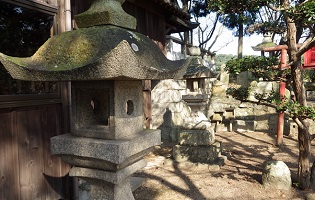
x,y
27,170
149,23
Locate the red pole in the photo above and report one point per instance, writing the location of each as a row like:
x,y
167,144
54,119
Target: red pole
x,y
281,93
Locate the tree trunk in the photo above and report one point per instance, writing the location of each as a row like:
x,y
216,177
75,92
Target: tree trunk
x,y
300,95
304,155
312,186
303,128
240,40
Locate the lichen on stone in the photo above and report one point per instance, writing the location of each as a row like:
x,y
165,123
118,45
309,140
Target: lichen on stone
x,y
101,52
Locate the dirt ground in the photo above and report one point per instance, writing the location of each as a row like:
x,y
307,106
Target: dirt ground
x,y
238,178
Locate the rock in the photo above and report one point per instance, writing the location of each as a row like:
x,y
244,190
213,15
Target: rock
x,y
194,51
310,196
276,175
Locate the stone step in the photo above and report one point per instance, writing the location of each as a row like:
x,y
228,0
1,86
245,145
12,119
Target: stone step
x,y
235,125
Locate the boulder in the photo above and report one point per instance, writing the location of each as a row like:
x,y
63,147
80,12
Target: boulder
x,y
276,175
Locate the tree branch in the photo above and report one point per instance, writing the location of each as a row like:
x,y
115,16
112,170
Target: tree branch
x,y
275,8
298,122
308,43
261,103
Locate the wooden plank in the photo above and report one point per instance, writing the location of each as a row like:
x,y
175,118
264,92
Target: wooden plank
x,y
9,179
55,170
30,154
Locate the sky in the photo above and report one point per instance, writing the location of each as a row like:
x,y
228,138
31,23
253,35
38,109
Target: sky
x,y
249,41
231,48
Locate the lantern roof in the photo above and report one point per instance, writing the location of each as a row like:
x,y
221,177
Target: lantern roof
x,y
104,47
96,53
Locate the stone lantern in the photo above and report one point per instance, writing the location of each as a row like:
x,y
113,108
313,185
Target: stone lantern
x,y
106,63
199,80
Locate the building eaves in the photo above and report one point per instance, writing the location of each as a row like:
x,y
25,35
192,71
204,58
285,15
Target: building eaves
x,y
173,8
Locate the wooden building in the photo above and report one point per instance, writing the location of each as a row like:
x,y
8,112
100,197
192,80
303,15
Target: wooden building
x,y
32,112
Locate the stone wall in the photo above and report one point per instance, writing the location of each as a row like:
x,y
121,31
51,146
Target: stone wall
x,y
169,111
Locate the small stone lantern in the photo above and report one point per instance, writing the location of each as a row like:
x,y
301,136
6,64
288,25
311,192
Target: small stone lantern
x,y
198,81
106,63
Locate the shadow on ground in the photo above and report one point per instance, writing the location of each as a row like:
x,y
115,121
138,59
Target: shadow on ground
x,y
238,178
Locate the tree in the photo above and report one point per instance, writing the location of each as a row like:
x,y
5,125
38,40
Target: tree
x,y
298,17
22,32
208,31
235,15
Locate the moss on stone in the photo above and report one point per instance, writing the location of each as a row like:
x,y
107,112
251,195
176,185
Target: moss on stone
x,y
104,12
95,53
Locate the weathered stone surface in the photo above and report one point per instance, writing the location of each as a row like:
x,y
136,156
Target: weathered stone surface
x,y
170,114
196,137
219,89
197,121
194,51
170,84
179,118
243,79
276,175
109,154
224,77
196,97
101,13
96,53
244,125
97,109
136,182
107,191
219,104
217,117
199,69
108,176
170,133
310,196
166,96
203,154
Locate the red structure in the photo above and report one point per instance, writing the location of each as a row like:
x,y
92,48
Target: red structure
x,y
309,62
282,85
309,58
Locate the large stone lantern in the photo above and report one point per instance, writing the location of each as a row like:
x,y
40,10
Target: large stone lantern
x,y
106,63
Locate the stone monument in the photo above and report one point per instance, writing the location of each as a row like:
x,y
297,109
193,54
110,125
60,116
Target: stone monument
x,y
106,63
196,140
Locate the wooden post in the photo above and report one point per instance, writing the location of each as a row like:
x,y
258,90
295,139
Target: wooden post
x,y
282,86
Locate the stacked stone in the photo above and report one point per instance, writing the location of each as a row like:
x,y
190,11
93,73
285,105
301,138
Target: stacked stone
x,y
197,146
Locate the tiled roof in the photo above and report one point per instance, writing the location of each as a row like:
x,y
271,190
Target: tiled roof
x,y
173,7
